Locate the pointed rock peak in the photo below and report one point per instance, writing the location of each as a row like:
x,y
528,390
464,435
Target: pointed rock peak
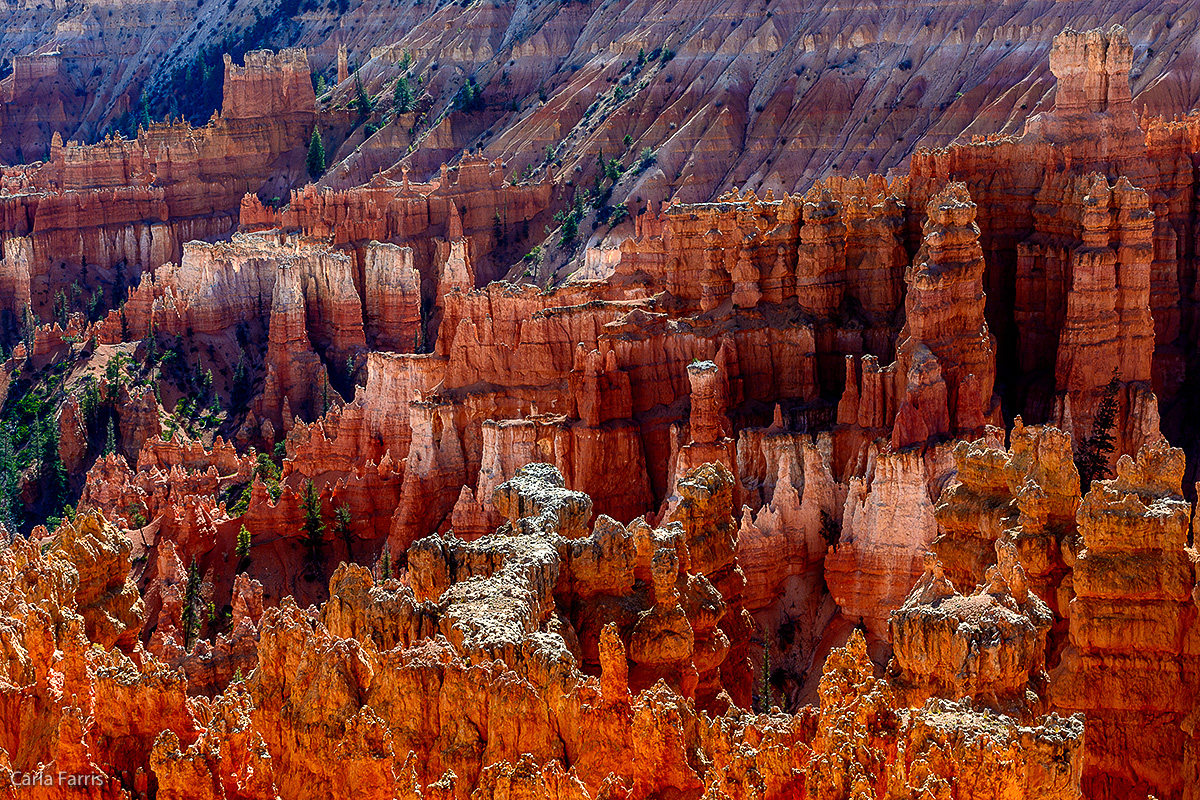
x,y
777,423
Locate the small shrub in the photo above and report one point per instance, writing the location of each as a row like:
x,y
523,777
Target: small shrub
x,y
646,159
243,543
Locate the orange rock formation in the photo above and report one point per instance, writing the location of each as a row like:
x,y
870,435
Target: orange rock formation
x,y
596,540
372,693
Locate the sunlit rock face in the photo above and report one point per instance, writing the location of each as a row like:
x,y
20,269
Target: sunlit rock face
x,y
533,629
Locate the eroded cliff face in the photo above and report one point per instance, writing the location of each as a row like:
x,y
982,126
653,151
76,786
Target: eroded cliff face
x,y
403,530
833,89
92,218
556,658
1062,271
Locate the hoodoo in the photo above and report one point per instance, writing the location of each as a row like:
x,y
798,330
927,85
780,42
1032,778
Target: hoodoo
x,y
595,402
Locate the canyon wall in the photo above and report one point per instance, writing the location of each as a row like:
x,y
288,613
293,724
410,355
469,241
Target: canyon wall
x,y
99,215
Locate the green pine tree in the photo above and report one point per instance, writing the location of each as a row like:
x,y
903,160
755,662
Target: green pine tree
x,y
144,115
361,99
110,440
831,532
243,548
29,323
316,155
403,96
764,684
314,524
191,596
341,525
52,475
10,487
1092,457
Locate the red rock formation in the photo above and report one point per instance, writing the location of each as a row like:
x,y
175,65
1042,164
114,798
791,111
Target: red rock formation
x,y
303,294
1028,494
887,525
839,241
269,85
782,546
1092,100
480,633
120,207
1108,329
1089,253
989,645
392,300
73,703
526,646
104,597
314,302
710,531
1129,665
72,436
945,352
472,197
708,428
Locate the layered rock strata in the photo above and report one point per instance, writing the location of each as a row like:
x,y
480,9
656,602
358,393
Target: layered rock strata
x,y
101,214
1130,664
453,681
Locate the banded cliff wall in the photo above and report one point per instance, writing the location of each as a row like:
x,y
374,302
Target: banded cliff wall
x,y
99,215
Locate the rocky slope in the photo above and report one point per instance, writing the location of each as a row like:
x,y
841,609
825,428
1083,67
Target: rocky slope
x,y
795,90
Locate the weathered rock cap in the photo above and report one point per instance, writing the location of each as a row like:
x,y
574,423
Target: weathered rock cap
x,y
536,501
